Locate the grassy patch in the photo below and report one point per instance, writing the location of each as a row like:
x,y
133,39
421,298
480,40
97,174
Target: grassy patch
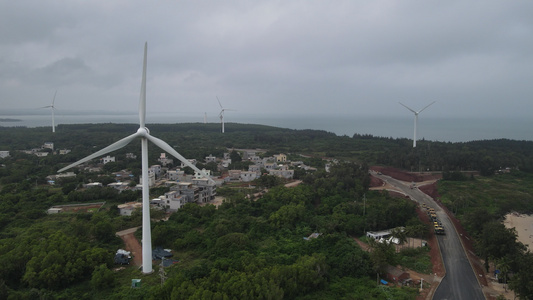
x,y
416,259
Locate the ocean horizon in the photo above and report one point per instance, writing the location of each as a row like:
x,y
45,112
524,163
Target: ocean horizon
x,y
429,128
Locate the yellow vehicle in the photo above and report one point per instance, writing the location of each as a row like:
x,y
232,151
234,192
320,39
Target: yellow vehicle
x,y
439,230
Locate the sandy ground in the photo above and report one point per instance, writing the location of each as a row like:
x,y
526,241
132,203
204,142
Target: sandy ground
x,y
523,225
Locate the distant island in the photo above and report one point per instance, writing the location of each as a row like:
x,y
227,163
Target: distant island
x,y
9,120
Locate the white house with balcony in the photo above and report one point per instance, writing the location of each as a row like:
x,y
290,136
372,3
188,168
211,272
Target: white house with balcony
x,y
173,201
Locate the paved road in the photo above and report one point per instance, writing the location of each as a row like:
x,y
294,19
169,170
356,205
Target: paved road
x,y
460,281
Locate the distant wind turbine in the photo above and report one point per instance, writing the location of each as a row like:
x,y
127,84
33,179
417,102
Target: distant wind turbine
x,y
144,134
53,110
221,115
416,118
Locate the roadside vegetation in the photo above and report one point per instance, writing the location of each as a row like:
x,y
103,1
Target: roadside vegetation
x,y
481,203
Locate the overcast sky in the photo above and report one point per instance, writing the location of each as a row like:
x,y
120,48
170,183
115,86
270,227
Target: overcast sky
x,y
475,58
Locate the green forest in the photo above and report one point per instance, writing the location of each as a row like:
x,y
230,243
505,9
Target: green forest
x,y
249,248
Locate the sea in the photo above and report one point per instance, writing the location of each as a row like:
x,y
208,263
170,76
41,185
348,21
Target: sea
x,y
433,129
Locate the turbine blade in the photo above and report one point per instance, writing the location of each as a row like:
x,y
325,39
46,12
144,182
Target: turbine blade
x,y
54,99
142,100
166,147
426,106
407,107
115,146
219,103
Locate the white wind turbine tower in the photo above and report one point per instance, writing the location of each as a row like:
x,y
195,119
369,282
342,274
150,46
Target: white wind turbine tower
x,y
144,134
221,115
416,118
53,110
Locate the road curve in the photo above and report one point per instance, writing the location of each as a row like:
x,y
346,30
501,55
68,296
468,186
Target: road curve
x,y
460,281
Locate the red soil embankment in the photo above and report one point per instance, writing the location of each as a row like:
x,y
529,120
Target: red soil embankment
x,y
406,176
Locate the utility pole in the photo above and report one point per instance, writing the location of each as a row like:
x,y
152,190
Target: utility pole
x,y
364,204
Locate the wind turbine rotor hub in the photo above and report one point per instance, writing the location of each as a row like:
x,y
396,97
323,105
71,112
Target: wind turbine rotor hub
x,y
143,131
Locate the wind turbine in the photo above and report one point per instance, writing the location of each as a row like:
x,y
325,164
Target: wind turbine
x,y
416,118
53,110
221,115
144,134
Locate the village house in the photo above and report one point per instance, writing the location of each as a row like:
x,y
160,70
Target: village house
x,y
173,200
254,168
210,158
156,169
233,175
282,171
123,175
151,177
107,159
247,176
396,275
4,154
280,157
206,190
119,185
164,160
131,156
175,175
269,166
48,145
127,209
64,151
192,161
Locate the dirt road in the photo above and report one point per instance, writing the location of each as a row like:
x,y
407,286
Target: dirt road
x,y
132,244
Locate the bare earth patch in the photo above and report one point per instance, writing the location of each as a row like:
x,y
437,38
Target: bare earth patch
x,y
523,225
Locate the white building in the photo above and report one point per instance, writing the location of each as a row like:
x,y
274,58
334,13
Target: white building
x,y
48,145
156,169
282,171
198,175
119,185
192,161
254,168
92,184
210,158
4,154
164,160
108,159
172,201
248,176
174,174
151,178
